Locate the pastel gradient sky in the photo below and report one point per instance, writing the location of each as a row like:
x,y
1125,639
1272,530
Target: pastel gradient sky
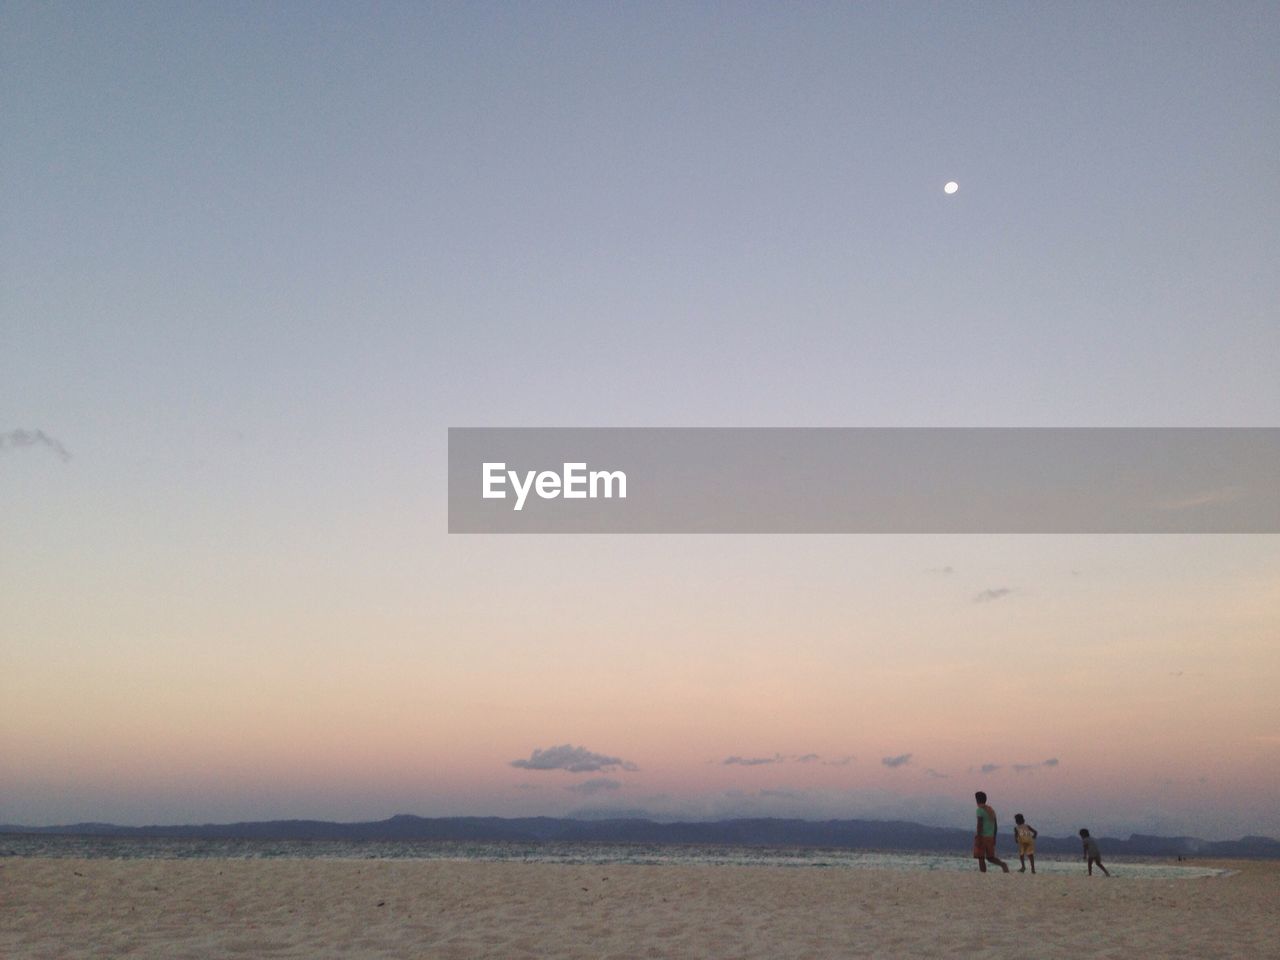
x,y
255,259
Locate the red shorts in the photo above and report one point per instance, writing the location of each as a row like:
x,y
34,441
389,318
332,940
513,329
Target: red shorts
x,y
984,848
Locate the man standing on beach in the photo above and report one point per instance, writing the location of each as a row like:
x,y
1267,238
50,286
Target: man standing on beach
x,y
984,838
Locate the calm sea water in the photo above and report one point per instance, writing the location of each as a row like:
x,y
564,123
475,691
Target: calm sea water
x,y
28,845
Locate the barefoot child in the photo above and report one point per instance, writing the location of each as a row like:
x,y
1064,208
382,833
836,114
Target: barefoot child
x,y
1091,853
984,836
1026,835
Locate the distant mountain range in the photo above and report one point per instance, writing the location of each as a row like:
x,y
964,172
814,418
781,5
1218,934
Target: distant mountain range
x,y
848,834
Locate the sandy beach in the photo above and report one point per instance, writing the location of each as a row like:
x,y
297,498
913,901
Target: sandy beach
x,y
63,908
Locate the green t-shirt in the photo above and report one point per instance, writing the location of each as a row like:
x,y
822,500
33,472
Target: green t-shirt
x,y
988,818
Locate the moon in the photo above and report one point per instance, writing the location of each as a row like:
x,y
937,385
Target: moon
x,y
951,187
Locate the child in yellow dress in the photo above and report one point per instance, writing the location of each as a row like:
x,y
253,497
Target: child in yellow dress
x,y
1025,834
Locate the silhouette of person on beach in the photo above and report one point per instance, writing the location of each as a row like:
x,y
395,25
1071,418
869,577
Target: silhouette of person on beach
x,y
1091,853
984,837
1025,834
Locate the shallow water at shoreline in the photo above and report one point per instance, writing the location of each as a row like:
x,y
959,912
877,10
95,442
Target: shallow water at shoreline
x,y
133,848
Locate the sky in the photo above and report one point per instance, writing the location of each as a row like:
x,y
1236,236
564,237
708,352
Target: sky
x,y
256,259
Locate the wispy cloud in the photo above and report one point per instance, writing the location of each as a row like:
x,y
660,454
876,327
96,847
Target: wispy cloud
x,y
785,794
943,571
1201,499
737,761
1028,767
573,759
20,439
595,785
1016,767
901,760
994,593
840,761
935,775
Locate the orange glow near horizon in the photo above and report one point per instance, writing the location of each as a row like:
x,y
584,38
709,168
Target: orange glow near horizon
x,y
1126,694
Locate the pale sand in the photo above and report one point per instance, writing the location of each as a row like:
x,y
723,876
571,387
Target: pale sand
x,y
361,908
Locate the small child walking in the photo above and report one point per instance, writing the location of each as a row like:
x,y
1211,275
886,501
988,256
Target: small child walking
x,y
1025,834
1091,853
